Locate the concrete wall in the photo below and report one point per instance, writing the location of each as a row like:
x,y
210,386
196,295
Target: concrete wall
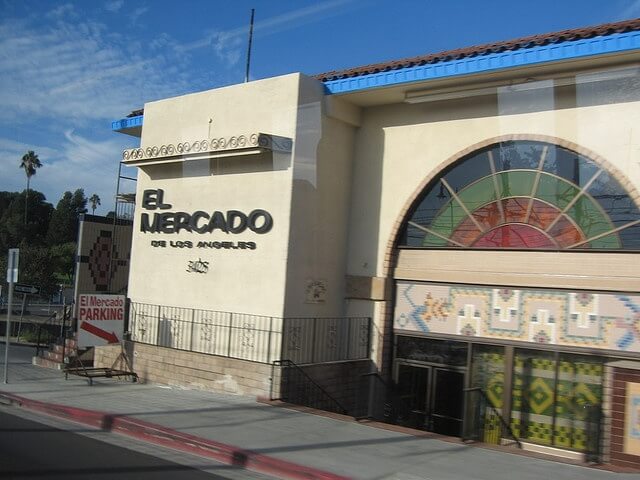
x,y
401,145
159,274
166,366
319,217
193,370
297,268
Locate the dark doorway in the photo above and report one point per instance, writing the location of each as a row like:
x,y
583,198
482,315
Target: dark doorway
x,y
448,402
433,397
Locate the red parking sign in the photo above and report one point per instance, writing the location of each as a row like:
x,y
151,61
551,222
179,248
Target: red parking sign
x,y
100,319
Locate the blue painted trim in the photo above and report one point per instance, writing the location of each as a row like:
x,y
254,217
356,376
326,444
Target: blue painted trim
x,y
555,52
126,123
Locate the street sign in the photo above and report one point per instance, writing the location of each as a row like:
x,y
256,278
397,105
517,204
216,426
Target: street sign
x,y
12,265
27,289
100,319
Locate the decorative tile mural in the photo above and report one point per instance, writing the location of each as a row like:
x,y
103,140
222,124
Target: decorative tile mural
x,y
580,318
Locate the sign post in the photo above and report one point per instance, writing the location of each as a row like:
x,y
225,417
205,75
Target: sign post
x,y
12,278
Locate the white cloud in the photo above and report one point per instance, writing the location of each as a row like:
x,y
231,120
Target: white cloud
x,y
66,76
632,10
137,13
76,71
114,5
79,163
228,44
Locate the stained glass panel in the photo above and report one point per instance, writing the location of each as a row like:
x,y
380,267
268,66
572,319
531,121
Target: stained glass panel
x,y
525,194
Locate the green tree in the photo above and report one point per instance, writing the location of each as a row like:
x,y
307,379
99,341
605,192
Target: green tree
x,y
63,227
37,267
64,260
13,230
94,200
30,163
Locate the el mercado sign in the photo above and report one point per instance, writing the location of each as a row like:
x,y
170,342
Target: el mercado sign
x,y
100,319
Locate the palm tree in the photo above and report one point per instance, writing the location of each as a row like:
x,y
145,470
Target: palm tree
x,y
94,200
30,162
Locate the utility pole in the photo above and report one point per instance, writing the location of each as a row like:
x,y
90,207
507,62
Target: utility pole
x,y
12,277
246,76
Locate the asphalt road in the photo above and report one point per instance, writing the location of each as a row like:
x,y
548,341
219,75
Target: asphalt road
x,y
35,446
33,450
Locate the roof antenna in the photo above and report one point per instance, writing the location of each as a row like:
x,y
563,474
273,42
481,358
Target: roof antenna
x,y
246,76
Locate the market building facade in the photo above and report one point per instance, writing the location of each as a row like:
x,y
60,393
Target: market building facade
x,y
464,227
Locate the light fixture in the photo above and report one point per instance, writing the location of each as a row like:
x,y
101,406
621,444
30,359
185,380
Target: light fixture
x,y
519,85
435,95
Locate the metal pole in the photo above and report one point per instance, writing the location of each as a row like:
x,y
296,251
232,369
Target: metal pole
x,y
64,312
246,76
6,347
64,336
269,340
113,232
230,331
12,277
24,304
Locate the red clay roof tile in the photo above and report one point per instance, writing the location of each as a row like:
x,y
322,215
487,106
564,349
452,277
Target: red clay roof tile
x,y
518,43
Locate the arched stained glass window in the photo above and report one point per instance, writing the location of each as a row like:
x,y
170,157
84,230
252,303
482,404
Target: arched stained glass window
x,y
525,195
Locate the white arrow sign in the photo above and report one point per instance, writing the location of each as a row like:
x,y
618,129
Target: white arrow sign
x,y
28,289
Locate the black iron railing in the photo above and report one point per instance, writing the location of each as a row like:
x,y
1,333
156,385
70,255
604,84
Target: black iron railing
x,y
291,384
256,338
50,331
484,421
320,340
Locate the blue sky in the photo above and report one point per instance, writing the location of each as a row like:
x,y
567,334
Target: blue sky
x,y
67,69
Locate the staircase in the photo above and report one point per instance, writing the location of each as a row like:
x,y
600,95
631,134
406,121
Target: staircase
x,y
53,356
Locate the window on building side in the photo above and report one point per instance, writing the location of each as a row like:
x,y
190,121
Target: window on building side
x,y
525,195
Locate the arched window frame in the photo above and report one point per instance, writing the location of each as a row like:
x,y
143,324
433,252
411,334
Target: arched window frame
x,y
562,232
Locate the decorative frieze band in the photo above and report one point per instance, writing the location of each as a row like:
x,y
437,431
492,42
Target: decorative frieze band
x,y
254,140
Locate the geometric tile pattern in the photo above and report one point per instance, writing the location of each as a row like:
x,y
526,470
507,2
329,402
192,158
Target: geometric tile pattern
x,y
100,261
553,410
505,309
532,316
102,249
488,374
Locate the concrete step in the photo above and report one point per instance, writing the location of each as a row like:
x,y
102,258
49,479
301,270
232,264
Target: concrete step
x,y
68,350
46,363
57,356
53,356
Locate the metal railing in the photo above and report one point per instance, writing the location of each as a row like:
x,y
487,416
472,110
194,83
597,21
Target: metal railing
x,y
293,385
319,340
484,421
53,329
250,337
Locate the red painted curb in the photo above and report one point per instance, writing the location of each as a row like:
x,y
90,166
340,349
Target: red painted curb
x,y
228,454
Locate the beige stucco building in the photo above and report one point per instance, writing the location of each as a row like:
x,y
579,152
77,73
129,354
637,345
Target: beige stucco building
x,y
462,227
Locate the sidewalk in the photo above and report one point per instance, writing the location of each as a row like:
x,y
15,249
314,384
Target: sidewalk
x,y
282,442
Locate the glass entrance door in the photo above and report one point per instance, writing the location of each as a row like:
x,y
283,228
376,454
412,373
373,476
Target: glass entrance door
x,y
447,402
432,398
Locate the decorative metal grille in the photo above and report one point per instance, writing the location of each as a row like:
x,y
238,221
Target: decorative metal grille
x,y
251,337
